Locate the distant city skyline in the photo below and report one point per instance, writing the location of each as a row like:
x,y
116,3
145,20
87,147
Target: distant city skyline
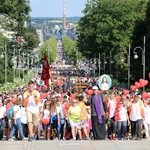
x,y
54,8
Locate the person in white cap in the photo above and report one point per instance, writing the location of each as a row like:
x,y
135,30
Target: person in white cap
x,y
98,110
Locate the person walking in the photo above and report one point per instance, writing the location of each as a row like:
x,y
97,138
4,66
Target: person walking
x,y
74,114
136,115
32,103
16,122
84,116
146,121
122,119
98,110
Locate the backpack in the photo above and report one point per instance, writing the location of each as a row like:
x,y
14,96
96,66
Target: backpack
x,y
10,112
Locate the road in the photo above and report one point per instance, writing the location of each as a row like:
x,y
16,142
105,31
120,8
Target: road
x,y
76,145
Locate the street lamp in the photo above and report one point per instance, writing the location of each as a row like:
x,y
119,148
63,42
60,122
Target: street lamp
x,y
5,65
129,66
128,62
15,64
104,62
96,60
2,56
143,56
20,40
77,55
110,62
23,67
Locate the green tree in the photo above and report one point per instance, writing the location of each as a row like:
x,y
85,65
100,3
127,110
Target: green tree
x,y
2,62
50,49
15,13
147,33
5,58
109,25
69,47
31,40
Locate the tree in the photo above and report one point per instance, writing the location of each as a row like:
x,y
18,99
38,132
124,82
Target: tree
x,y
109,25
50,48
4,43
32,41
2,63
15,13
69,47
147,24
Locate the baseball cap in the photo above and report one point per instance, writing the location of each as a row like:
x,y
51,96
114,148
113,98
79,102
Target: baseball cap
x,y
95,87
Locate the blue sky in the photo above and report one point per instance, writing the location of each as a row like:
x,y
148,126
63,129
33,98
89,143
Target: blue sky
x,y
54,8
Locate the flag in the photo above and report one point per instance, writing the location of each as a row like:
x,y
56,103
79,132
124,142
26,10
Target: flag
x,y
45,72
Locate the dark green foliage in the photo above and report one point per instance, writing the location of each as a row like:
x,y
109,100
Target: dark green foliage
x,y
109,25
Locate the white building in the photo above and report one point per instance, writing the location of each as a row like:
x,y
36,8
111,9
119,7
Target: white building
x,y
40,34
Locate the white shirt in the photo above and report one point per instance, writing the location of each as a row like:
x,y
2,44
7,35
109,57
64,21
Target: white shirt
x,y
23,115
2,111
112,108
32,107
17,109
123,114
136,113
60,111
46,113
147,114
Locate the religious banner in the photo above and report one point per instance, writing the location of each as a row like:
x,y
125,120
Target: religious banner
x,y
105,82
45,72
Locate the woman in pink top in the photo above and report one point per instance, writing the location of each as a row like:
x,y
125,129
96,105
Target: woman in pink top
x,y
121,116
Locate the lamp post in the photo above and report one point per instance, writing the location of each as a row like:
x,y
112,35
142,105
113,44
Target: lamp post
x,y
20,40
96,61
5,65
14,61
128,62
4,55
110,61
104,62
23,67
129,66
19,64
77,55
143,56
99,65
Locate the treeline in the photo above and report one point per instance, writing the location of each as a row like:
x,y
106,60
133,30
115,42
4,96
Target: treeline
x,y
110,25
17,38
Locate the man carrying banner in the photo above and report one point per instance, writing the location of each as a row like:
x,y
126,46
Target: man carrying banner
x,y
45,72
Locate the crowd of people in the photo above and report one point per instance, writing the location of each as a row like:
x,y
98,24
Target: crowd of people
x,y
36,112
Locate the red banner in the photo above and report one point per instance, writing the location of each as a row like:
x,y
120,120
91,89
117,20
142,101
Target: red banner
x,y
45,72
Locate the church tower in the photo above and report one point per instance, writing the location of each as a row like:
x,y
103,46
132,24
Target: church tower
x,y
64,14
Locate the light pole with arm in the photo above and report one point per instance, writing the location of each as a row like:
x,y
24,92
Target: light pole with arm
x,y
14,61
143,56
96,61
99,65
129,66
4,55
128,62
5,64
104,62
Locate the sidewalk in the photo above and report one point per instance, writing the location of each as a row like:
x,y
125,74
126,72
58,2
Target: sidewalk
x,y
76,145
